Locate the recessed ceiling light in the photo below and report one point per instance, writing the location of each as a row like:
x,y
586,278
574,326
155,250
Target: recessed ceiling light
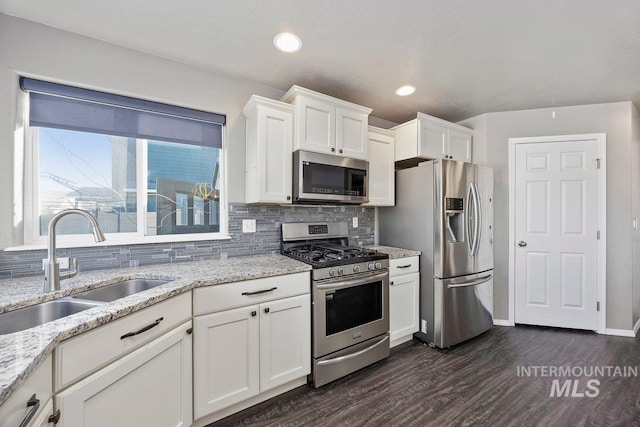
x,y
287,42
405,90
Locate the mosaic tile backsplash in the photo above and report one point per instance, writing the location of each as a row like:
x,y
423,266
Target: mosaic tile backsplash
x,y
266,239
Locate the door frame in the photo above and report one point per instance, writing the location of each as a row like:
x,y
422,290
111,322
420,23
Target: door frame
x,y
601,139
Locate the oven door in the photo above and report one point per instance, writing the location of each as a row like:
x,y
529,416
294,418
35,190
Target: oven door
x,y
321,178
347,311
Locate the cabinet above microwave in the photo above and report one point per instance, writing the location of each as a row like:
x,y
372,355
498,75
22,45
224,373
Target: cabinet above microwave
x,y
323,124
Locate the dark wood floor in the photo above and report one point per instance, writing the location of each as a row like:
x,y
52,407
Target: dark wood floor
x,y
475,383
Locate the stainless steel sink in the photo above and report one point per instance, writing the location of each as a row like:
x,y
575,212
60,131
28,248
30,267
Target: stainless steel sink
x,y
120,290
29,317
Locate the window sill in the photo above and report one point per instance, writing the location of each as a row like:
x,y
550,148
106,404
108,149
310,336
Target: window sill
x,y
84,241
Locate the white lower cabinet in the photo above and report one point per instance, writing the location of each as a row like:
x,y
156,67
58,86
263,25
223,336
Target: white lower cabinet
x,y
243,352
404,298
152,386
31,402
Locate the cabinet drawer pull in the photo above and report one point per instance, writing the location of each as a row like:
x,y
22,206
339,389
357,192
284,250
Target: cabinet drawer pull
x,y
145,329
55,417
264,291
33,404
404,266
391,283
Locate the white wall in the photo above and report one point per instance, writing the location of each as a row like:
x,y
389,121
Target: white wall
x,y
614,119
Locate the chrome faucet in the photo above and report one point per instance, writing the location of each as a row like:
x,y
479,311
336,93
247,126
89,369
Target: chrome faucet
x,y
52,274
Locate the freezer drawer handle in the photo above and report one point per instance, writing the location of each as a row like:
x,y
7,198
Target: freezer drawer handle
x,y
404,266
478,281
351,356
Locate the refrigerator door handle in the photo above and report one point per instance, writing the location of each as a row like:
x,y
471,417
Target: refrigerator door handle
x,y
470,213
478,281
477,219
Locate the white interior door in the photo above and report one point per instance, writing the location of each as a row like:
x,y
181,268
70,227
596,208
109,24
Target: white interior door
x,y
556,226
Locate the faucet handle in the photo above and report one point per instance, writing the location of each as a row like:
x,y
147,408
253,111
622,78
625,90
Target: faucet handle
x,y
71,273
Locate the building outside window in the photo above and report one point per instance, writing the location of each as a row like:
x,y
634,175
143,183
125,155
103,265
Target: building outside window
x,y
130,165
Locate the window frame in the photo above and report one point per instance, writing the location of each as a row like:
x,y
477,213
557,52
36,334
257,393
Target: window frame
x,y
31,205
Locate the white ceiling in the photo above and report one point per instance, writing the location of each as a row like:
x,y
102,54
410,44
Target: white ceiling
x,y
465,57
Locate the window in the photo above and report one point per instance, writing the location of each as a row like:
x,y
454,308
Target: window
x,y
142,169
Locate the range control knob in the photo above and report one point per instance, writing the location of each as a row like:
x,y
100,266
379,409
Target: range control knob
x,y
332,273
356,269
340,271
371,266
378,265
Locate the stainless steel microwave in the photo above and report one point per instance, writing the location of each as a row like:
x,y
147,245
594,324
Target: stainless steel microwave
x,y
325,178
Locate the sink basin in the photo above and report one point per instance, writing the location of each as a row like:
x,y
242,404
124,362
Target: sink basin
x,y
29,317
120,290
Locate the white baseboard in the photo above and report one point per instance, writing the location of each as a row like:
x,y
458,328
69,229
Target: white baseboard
x,y
620,332
501,322
636,327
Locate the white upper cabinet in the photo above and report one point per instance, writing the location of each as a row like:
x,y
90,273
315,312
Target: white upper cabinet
x,y
381,167
324,124
269,146
428,137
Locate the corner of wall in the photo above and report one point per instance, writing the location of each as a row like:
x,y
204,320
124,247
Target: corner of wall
x,y
635,195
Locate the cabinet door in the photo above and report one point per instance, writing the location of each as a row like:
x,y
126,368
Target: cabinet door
x,y
226,358
381,170
459,146
351,134
403,306
285,341
433,140
16,409
149,387
315,126
274,162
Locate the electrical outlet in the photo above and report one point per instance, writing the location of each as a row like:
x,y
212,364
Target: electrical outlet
x,y
248,225
355,222
64,263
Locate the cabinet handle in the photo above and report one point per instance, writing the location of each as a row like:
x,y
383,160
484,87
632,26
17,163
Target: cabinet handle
x,y
391,283
254,313
266,310
33,404
145,329
53,419
263,291
340,151
288,197
333,150
404,266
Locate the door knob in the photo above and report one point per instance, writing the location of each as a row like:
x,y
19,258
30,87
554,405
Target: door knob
x,y
522,244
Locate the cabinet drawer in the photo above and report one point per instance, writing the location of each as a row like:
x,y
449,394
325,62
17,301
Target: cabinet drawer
x,y
404,265
239,294
86,353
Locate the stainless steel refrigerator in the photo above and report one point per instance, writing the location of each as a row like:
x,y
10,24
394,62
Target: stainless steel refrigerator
x,y
444,208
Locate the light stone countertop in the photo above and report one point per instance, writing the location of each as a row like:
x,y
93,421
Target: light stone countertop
x,y
395,253
22,352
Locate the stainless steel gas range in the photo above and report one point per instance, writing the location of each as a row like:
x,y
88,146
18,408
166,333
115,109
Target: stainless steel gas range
x,y
350,297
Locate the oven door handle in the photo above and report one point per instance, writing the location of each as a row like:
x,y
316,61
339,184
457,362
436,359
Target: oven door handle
x,y
360,280
356,354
